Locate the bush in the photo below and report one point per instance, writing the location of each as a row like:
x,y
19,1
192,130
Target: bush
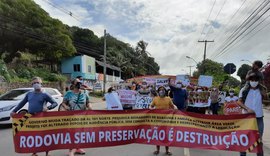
x,y
55,77
97,93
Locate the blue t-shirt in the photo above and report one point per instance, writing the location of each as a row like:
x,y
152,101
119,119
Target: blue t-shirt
x,y
76,101
179,97
36,102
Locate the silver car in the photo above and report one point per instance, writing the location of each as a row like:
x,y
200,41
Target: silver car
x,y
11,99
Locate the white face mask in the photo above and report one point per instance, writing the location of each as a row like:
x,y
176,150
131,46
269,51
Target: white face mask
x,y
231,94
179,85
37,86
253,83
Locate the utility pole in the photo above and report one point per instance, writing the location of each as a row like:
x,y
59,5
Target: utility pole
x,y
105,63
205,43
190,70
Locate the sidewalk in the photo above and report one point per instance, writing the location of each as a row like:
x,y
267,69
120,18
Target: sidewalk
x,y
97,103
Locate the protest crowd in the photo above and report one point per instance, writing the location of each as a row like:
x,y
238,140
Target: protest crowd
x,y
161,93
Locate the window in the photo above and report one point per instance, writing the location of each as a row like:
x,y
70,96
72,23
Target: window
x,y
89,69
76,67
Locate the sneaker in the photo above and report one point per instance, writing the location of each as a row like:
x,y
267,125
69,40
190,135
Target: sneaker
x,y
80,151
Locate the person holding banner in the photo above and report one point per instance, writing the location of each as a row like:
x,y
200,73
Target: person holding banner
x,y
250,98
76,99
162,102
180,95
214,100
37,101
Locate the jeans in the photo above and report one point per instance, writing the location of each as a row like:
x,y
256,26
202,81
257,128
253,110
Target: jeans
x,y
260,124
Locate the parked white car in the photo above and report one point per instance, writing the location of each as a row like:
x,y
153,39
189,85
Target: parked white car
x,y
11,99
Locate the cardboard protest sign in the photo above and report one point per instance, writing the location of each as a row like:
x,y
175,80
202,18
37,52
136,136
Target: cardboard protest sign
x,y
199,99
143,101
221,96
162,82
184,79
113,101
150,81
49,131
127,96
205,81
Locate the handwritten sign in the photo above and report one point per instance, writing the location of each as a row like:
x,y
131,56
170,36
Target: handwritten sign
x,y
199,99
205,81
143,101
162,82
221,96
184,79
127,96
150,81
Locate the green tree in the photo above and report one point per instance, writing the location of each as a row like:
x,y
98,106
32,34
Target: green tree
x,y
25,26
242,71
211,68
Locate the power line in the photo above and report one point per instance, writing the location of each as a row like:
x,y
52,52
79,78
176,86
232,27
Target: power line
x,y
223,50
252,34
208,17
44,39
63,10
244,24
77,44
227,23
211,26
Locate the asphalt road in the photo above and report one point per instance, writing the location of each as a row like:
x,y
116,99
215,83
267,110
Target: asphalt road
x,y
7,148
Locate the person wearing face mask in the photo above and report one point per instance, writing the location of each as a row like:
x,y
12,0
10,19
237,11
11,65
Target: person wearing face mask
x,y
112,100
83,85
76,99
144,90
179,95
162,102
214,100
250,99
231,97
37,101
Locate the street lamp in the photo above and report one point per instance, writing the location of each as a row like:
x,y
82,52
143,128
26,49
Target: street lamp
x,y
192,59
190,70
247,61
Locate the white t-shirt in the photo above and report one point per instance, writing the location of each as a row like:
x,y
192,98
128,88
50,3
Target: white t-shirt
x,y
231,99
113,101
253,101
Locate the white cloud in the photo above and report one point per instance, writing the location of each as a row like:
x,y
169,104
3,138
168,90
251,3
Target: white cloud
x,y
171,28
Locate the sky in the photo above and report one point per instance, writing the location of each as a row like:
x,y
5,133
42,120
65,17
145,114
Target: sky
x,y
172,28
